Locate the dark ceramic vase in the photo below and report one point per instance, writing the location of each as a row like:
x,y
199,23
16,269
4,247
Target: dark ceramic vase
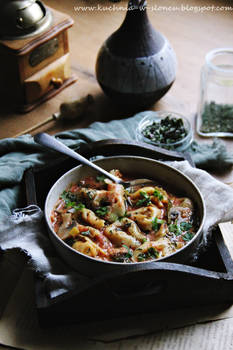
x,y
136,65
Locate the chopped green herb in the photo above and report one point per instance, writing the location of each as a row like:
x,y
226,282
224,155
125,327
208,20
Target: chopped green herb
x,y
122,258
112,217
86,233
175,228
217,118
144,195
156,224
151,253
158,194
78,206
68,196
169,206
71,200
130,252
145,199
141,257
166,131
185,226
102,211
187,236
100,178
90,195
124,216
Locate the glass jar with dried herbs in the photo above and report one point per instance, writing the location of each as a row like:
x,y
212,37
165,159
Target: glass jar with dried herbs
x,y
215,110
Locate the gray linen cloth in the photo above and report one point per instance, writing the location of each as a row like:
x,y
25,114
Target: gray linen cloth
x,y
25,230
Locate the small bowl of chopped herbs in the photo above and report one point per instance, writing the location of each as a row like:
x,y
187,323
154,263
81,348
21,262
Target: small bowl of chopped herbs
x,y
165,129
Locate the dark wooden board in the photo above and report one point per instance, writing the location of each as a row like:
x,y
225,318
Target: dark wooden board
x,y
207,281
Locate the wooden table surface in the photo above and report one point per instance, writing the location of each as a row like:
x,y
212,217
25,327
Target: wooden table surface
x,y
191,32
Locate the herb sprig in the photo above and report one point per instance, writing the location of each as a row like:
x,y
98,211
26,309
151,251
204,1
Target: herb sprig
x,y
156,223
86,233
187,236
158,194
100,178
175,228
129,253
102,211
151,253
182,230
144,201
71,201
185,226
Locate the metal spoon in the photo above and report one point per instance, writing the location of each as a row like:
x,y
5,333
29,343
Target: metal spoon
x,y
52,143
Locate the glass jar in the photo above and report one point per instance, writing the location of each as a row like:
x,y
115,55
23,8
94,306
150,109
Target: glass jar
x,y
215,110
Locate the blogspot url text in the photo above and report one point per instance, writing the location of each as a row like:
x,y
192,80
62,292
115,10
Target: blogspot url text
x,y
181,8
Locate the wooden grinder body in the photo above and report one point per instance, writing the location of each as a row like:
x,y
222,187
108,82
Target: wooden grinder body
x,y
36,68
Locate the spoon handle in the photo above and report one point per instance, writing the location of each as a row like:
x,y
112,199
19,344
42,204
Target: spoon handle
x,y
50,142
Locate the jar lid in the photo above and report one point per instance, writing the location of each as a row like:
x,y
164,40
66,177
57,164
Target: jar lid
x,y
22,18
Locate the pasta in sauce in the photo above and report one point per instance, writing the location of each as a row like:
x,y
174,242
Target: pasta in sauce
x,y
103,220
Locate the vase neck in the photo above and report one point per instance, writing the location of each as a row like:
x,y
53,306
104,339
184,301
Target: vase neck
x,y
136,14
135,37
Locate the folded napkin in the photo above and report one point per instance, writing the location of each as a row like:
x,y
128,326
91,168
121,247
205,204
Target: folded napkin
x,y
25,230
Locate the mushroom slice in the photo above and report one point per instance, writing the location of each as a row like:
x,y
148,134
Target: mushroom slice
x,y
66,222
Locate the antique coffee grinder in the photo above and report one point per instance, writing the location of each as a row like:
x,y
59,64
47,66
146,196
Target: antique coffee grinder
x,y
34,53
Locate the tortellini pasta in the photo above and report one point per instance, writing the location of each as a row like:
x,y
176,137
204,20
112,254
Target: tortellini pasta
x,y
87,247
91,219
101,219
145,216
119,237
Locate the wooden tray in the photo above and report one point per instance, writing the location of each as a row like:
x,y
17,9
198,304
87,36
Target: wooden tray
x,y
150,286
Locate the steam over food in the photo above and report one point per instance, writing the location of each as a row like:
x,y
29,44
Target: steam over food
x,y
103,220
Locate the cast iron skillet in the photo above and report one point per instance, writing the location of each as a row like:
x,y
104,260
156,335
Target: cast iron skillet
x,y
143,167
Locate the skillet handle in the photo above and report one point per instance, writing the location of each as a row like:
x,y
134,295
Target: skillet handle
x,y
110,147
